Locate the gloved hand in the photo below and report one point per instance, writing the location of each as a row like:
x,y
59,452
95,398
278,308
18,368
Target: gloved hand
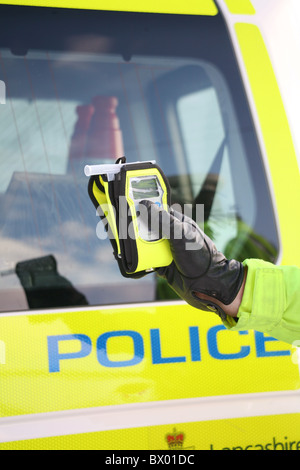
x,y
198,267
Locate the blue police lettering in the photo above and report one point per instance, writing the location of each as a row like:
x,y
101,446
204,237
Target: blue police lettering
x,y
260,342
53,349
156,350
213,345
138,345
157,340
195,343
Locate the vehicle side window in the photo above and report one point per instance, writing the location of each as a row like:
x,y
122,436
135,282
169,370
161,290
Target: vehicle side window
x,y
216,159
133,85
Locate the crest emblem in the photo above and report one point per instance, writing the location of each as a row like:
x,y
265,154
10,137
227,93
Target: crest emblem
x,y
175,440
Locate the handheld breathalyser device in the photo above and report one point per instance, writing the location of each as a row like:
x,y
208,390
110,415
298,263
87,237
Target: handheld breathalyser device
x,y
116,191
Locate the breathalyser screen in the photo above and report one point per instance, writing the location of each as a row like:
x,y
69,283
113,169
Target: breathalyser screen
x,y
144,188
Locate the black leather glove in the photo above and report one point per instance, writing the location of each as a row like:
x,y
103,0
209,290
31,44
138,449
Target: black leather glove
x,y
198,266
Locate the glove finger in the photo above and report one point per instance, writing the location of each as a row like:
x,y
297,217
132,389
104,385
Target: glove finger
x,y
160,222
186,240
182,232
184,218
191,232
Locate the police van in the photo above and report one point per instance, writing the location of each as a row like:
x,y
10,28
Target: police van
x,y
93,360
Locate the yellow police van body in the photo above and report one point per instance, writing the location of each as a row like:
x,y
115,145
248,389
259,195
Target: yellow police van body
x,y
92,360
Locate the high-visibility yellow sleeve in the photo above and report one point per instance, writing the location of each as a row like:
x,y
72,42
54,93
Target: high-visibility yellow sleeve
x,y
271,301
